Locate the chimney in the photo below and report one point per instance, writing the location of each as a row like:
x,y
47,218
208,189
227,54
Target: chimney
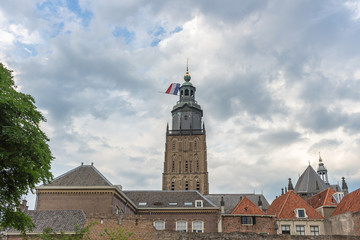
x,y
222,205
260,203
282,191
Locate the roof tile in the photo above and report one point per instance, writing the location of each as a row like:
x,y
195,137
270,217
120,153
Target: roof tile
x,y
284,207
323,198
350,203
245,206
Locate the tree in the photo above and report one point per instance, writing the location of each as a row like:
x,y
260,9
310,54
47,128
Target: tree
x,y
115,234
25,156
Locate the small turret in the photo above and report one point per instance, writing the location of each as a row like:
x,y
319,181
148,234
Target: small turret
x,y
344,186
290,185
322,171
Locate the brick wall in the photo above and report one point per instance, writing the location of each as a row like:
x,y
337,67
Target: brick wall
x,y
210,220
262,225
342,224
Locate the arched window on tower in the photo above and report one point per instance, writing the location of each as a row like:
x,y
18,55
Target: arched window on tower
x,y
186,92
190,166
186,166
197,185
181,92
173,145
186,185
173,166
173,185
179,166
195,144
191,93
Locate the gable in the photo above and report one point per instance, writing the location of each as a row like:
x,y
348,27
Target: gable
x,y
245,206
350,203
84,175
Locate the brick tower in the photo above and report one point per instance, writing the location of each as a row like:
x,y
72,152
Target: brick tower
x,y
185,165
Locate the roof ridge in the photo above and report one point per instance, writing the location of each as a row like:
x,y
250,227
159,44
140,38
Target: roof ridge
x,y
98,172
326,196
282,207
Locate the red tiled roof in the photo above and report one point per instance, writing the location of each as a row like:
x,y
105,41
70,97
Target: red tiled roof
x,y
323,198
350,203
284,207
245,206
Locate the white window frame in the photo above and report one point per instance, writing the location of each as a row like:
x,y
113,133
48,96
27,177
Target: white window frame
x,y
313,232
142,203
178,223
285,228
200,202
302,233
297,212
198,230
156,225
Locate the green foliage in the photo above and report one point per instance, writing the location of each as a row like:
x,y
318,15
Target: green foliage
x,y
117,234
25,157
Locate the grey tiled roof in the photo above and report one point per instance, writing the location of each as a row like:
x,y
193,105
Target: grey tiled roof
x,y
58,220
231,200
310,182
163,199
84,175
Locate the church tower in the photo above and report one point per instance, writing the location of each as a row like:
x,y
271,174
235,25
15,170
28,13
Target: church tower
x,y
185,165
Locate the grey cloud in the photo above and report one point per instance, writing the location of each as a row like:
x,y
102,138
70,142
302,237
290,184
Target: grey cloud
x,y
282,138
324,144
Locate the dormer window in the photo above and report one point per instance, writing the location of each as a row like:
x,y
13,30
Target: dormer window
x,y
198,203
300,213
142,203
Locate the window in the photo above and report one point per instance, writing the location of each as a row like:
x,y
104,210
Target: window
x,y
159,225
314,230
197,226
172,186
300,230
187,203
192,93
186,166
285,229
195,145
338,196
173,146
246,220
198,203
117,210
186,185
173,166
181,226
300,213
142,203
190,166
172,204
198,186
186,92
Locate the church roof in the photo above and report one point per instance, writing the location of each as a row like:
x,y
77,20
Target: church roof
x,y
309,182
167,199
350,203
57,220
323,198
284,207
84,175
231,200
245,206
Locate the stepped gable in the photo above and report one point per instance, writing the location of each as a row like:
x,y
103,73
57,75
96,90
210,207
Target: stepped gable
x,y
167,199
84,175
284,207
309,182
323,198
350,203
231,200
245,206
58,220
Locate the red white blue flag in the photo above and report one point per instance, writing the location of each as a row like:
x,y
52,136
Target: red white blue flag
x,y
173,88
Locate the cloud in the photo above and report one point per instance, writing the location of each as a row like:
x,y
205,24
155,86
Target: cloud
x,y
278,82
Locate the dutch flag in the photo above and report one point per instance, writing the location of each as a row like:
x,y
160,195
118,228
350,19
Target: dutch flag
x,y
173,88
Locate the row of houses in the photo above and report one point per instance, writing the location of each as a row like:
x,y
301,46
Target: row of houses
x,y
84,195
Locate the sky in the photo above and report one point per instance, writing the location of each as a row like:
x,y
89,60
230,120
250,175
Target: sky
x,y
278,82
